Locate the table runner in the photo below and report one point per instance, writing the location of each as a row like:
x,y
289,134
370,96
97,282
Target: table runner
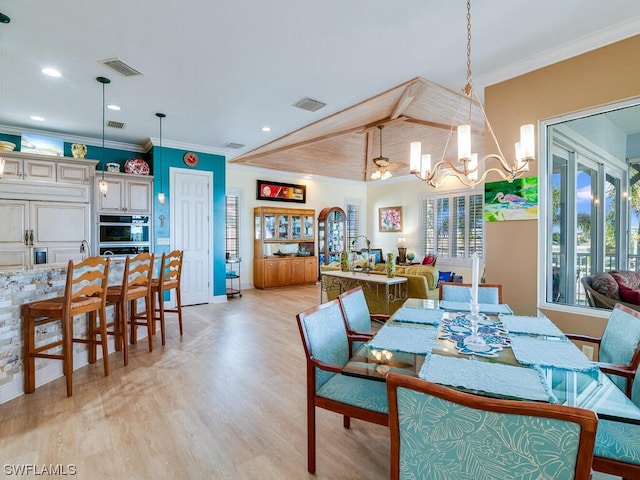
x,y
492,378
404,339
484,307
418,315
556,353
530,325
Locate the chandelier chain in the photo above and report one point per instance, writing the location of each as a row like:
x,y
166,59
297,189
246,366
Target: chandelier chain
x,y
468,44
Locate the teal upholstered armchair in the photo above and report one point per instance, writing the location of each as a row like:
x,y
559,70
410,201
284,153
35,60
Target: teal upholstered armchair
x,y
461,292
324,337
437,432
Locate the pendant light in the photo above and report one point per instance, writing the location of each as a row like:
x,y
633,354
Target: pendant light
x,y
102,184
161,196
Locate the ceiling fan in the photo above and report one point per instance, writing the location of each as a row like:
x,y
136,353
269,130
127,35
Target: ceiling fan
x,y
383,166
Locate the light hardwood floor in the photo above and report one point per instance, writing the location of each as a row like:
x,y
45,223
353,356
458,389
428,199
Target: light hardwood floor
x,y
225,401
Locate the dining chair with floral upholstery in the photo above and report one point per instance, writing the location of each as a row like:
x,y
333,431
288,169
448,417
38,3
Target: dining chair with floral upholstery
x,y
326,346
461,292
438,432
617,450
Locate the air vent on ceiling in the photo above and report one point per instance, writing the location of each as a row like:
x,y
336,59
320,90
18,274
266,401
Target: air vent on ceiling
x,y
309,104
233,145
113,124
121,67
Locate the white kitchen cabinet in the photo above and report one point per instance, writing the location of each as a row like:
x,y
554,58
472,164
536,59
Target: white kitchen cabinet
x,y
59,226
30,169
126,193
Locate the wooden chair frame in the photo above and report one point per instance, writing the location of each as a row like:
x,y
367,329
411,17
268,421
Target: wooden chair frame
x,y
169,279
83,293
314,401
136,284
585,418
481,285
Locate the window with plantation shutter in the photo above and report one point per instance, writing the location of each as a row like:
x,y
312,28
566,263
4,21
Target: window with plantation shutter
x,y
352,208
452,225
232,235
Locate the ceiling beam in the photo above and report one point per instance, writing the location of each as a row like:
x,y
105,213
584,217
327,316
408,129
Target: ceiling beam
x,y
407,97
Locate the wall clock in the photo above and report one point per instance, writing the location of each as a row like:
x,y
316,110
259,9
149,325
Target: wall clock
x,y
190,159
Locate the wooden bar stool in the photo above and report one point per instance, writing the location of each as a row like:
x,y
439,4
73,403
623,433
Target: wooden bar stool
x,y
84,292
136,283
169,279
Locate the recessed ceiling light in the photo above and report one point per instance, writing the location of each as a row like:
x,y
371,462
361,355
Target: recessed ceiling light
x,y
113,107
266,129
37,118
52,72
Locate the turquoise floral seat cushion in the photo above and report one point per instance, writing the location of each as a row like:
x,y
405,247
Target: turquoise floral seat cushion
x,y
442,440
461,293
618,441
359,392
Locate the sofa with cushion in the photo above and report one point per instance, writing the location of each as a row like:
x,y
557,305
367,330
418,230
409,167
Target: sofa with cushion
x,y
422,282
605,289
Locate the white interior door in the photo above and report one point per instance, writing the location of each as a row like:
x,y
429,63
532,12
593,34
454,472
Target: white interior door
x,y
191,211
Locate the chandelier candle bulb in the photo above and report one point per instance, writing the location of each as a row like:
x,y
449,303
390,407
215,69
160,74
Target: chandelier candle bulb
x,y
426,164
473,165
527,142
464,142
414,157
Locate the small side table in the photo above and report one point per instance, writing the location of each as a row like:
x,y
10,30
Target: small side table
x,y
233,275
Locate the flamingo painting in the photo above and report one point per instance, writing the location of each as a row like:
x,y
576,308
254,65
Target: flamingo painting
x,y
516,200
510,198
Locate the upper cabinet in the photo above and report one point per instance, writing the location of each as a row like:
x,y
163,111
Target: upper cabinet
x,y
41,177
125,193
331,234
283,231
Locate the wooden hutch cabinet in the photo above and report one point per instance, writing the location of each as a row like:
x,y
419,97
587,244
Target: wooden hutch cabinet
x,y
284,247
331,234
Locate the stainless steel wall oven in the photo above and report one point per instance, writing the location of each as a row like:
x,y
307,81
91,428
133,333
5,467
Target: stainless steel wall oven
x,y
124,234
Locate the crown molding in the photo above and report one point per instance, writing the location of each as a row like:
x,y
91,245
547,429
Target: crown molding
x,y
153,141
74,139
592,41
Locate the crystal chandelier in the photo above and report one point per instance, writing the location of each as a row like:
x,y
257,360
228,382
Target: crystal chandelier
x,y
467,168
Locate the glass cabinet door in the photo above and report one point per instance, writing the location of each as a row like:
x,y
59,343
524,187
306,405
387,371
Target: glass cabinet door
x,y
258,227
307,227
269,226
283,227
296,227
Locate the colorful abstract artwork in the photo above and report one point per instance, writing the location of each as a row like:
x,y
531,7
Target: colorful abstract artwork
x,y
517,200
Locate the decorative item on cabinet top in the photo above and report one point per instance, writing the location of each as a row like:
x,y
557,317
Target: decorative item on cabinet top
x,y
7,146
136,166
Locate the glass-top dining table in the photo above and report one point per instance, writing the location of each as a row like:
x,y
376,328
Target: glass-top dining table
x,y
523,355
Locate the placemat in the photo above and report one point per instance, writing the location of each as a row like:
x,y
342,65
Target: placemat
x,y
418,315
404,339
491,378
530,325
484,307
556,353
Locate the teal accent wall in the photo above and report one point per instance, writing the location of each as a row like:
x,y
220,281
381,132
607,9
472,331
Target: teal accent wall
x,y
209,163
